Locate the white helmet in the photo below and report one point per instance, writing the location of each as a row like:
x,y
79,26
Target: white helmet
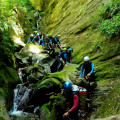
x,y
86,58
38,34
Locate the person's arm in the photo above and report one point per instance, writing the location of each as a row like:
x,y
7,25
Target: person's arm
x,y
75,101
92,68
28,41
33,39
81,73
39,40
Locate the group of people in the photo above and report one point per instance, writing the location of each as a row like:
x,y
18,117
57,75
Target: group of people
x,y
72,91
64,55
50,43
36,38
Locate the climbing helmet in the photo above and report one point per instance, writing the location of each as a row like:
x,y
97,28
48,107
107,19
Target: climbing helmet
x,y
67,85
86,58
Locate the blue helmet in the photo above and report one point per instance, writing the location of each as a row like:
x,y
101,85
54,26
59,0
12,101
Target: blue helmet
x,y
67,85
47,35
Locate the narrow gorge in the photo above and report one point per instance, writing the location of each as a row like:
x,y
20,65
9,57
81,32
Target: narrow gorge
x,y
30,85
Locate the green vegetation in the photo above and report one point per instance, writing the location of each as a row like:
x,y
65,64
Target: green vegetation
x,y
57,106
64,75
72,19
48,83
108,20
17,21
1,118
111,104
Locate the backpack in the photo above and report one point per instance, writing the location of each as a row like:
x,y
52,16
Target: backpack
x,y
56,39
82,95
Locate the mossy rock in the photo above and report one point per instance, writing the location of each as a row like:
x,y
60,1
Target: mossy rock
x,y
64,75
34,66
111,104
2,118
8,80
48,83
30,47
3,112
7,74
44,112
33,52
58,106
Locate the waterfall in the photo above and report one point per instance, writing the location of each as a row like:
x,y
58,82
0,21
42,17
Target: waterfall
x,y
14,110
22,95
37,22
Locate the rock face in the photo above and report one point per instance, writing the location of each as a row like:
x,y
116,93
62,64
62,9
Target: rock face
x,y
72,19
3,111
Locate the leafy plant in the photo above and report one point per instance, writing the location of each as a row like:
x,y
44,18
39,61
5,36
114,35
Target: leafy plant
x,y
108,20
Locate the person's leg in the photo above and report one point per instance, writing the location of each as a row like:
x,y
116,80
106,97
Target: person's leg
x,y
89,90
65,60
52,52
58,68
70,56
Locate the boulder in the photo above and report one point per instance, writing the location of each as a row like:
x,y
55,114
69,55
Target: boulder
x,y
64,75
30,51
49,83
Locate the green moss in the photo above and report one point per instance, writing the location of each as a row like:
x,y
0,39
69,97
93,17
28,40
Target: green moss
x,y
1,118
64,75
31,67
58,106
70,68
48,83
72,19
45,107
8,74
46,110
111,104
8,80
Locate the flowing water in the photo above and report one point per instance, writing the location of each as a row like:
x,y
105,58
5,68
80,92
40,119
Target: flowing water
x,y
22,95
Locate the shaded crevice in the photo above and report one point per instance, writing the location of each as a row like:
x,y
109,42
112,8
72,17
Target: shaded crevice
x,y
111,57
82,30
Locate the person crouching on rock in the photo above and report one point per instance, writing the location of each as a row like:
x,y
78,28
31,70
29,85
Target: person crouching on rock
x,y
71,93
63,54
89,73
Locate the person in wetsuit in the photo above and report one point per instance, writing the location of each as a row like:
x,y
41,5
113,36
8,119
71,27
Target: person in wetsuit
x,y
89,74
71,93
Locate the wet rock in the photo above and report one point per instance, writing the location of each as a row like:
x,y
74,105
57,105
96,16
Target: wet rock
x,y
22,95
46,68
26,116
31,53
